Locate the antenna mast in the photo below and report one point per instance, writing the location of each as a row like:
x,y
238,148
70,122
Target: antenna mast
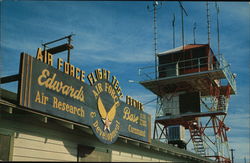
x,y
173,24
194,28
155,7
208,23
182,22
218,31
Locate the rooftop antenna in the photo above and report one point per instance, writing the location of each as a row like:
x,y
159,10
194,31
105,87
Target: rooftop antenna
x,y
173,24
218,31
208,23
182,22
194,28
155,7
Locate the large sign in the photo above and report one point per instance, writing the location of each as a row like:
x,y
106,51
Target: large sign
x,y
62,92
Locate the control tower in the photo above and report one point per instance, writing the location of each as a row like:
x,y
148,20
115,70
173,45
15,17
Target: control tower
x,y
193,88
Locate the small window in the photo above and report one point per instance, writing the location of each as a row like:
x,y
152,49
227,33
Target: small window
x,y
5,147
90,154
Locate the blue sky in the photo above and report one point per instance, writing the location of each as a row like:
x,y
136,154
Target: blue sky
x,y
118,36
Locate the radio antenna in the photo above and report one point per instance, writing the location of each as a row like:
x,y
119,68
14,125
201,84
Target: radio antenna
x,y
208,23
218,31
155,7
173,24
182,22
194,28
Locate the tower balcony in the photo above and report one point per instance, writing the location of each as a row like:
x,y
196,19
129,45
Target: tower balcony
x,y
194,69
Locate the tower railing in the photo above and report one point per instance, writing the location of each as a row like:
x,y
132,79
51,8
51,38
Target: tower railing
x,y
225,66
189,66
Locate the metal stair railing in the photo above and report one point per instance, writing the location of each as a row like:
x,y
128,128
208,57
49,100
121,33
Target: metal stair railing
x,y
196,136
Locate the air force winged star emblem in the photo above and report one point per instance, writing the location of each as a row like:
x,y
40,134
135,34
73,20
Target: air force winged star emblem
x,y
107,118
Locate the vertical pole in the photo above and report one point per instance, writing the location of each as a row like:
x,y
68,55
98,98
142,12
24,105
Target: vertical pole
x,y
182,28
173,24
182,22
154,130
218,32
194,32
208,24
199,64
155,38
69,41
232,154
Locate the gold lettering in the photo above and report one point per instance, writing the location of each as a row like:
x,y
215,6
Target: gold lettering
x,y
108,74
39,55
95,124
45,99
60,105
129,116
90,78
71,109
72,70
95,94
68,108
44,56
66,68
104,74
82,76
113,80
98,74
41,98
58,86
59,63
50,59
77,73
37,97
136,131
55,101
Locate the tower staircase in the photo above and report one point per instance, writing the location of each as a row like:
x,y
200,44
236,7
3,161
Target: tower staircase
x,y
196,136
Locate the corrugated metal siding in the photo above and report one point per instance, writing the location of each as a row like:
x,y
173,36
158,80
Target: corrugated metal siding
x,y
35,148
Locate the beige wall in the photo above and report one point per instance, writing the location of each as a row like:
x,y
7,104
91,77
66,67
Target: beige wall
x,y
118,156
34,140
35,148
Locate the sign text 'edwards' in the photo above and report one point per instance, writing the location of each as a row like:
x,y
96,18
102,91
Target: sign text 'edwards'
x,y
61,91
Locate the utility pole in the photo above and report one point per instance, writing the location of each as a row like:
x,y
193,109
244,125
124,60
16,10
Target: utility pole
x,y
232,154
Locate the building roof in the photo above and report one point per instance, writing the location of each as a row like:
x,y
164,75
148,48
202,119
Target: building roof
x,y
179,49
8,101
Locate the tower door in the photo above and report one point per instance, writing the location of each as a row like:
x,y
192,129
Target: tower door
x,y
189,102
